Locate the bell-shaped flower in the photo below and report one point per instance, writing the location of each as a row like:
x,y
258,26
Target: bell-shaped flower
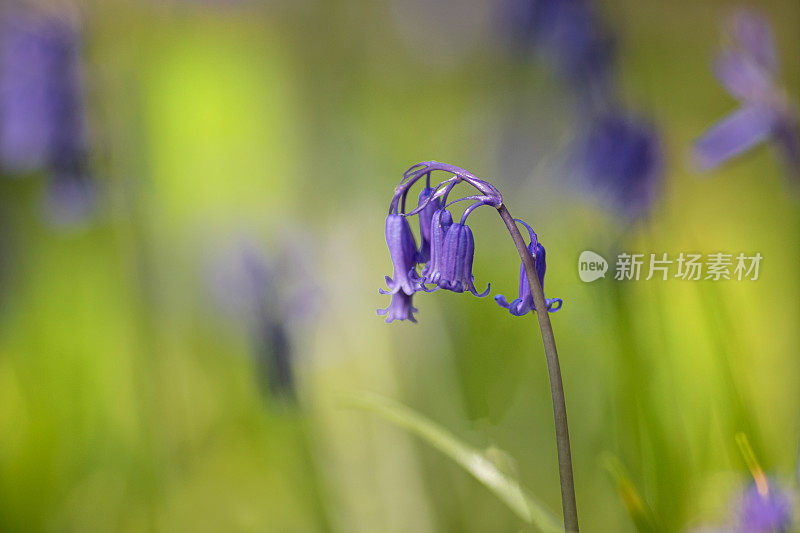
x,y
400,308
425,218
403,251
451,267
524,304
440,222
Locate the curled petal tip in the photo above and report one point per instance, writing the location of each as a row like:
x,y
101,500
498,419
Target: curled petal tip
x,y
501,301
554,304
480,295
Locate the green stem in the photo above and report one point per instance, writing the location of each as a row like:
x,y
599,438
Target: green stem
x,y
554,370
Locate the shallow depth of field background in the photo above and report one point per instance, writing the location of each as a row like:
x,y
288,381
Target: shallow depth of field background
x,y
130,396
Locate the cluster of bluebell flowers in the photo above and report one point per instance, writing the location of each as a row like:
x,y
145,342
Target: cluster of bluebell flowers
x,y
747,68
447,248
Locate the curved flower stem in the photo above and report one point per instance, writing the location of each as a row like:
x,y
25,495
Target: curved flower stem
x,y
554,370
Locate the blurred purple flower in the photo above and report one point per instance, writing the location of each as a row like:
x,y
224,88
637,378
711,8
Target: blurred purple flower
x,y
764,511
568,33
524,304
270,295
747,68
42,114
620,156
762,507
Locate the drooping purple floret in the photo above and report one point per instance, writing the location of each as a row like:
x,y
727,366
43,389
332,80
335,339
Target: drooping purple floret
x,y
441,220
769,512
524,303
425,217
453,271
42,112
747,68
403,252
400,308
620,157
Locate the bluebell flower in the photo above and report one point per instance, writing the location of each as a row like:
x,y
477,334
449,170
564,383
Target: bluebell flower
x,y
42,112
763,507
448,249
441,220
27,61
620,157
764,510
524,304
425,218
403,252
453,268
400,308
747,68
569,33
269,295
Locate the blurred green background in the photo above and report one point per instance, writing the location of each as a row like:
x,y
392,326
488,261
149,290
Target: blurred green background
x,y
130,400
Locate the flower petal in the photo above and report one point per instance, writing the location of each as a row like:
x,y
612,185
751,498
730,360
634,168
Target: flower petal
x,y
741,76
733,135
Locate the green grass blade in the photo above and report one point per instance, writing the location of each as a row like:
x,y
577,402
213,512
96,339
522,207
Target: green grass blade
x,y
470,459
641,514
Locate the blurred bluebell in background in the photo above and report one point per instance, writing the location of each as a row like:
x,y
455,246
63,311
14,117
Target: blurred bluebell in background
x,y
42,102
748,69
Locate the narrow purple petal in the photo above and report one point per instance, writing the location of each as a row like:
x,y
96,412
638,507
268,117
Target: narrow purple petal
x,y
754,35
400,308
742,77
740,131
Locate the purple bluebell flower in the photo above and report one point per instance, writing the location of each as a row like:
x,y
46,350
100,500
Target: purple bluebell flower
x,y
453,271
28,57
524,304
42,112
268,294
747,68
425,218
568,33
441,220
620,157
400,308
403,252
764,510
447,250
